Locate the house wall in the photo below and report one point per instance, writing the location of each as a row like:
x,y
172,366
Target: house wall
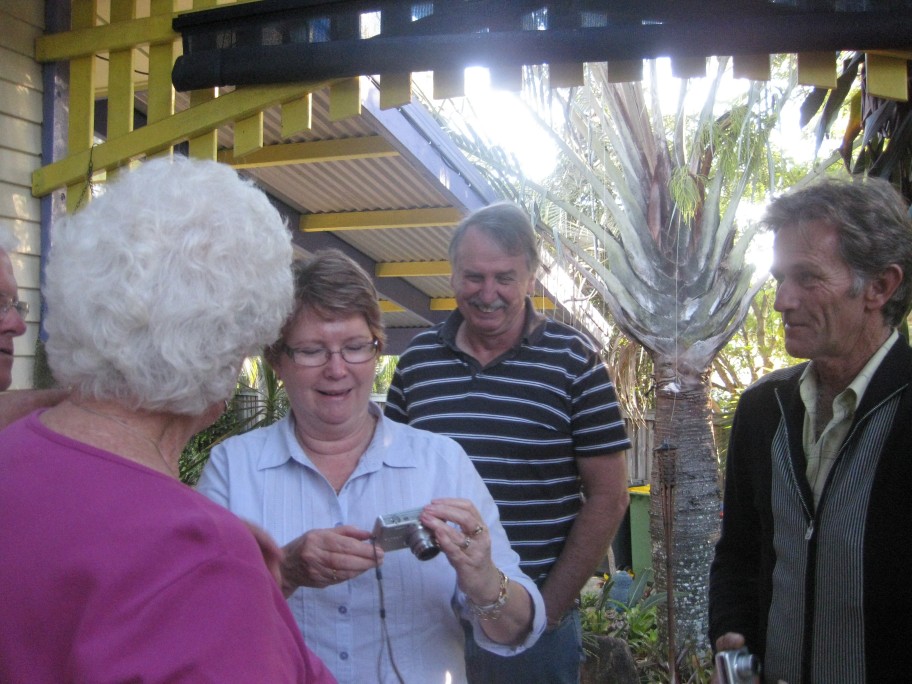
x,y
20,155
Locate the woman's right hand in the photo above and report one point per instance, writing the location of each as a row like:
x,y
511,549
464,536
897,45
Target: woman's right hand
x,y
320,558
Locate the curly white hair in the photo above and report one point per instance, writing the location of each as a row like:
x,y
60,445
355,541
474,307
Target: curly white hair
x,y
159,288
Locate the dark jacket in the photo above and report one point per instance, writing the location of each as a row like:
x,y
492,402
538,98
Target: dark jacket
x,y
742,570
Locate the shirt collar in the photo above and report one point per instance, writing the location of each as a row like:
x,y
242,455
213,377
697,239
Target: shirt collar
x,y
859,385
283,445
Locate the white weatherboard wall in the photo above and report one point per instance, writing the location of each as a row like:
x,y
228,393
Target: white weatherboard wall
x,y
20,154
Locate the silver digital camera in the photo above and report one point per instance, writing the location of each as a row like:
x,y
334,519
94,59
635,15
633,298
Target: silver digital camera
x,y
738,667
403,531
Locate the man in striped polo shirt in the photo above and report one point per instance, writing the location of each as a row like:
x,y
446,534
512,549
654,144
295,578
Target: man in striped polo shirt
x,y
531,402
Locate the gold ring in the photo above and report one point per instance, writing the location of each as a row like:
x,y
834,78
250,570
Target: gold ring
x,y
478,530
466,542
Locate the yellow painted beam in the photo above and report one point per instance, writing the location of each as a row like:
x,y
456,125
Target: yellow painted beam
x,y
203,146
370,220
248,134
887,77
120,76
297,115
753,67
81,129
161,134
120,36
367,147
345,99
565,75
160,105
413,269
449,303
386,306
448,84
625,70
817,69
395,90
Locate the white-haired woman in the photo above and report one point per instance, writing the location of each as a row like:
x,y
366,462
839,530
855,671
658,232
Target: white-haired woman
x,y
113,569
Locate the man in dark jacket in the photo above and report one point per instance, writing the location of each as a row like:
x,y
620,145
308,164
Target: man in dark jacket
x,y
810,572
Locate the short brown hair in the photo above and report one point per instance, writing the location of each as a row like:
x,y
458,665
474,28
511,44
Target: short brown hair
x,y
333,286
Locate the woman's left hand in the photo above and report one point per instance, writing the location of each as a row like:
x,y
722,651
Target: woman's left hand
x,y
467,545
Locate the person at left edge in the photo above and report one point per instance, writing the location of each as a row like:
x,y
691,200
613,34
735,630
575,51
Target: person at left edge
x,y
113,570
15,404
318,479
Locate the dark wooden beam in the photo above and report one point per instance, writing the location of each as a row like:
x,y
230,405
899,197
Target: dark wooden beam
x,y
726,35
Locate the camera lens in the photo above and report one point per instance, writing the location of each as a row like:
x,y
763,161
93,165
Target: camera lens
x,y
746,665
423,544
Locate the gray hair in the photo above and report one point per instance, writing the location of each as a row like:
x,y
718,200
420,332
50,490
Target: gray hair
x,y
8,241
873,224
159,288
506,224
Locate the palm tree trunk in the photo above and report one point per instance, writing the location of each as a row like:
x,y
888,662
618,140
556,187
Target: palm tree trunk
x,y
688,481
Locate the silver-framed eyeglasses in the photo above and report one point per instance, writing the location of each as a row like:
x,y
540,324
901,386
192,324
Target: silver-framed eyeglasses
x,y
310,357
7,303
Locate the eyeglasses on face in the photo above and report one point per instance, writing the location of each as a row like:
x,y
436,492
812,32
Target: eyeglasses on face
x,y
7,303
311,357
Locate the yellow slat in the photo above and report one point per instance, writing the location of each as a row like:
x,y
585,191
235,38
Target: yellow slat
x,y
817,69
395,90
449,303
161,58
368,147
753,67
345,99
887,77
297,115
120,90
386,306
248,134
159,135
371,220
565,75
81,130
449,83
413,269
120,36
203,146
625,70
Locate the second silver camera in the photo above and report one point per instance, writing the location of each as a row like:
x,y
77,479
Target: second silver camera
x,y
738,667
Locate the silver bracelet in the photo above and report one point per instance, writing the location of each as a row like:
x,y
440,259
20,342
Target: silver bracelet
x,y
491,611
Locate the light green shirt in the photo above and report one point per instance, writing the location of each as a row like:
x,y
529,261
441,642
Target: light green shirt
x,y
821,453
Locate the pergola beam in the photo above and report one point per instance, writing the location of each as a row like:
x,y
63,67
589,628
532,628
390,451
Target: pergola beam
x,y
726,34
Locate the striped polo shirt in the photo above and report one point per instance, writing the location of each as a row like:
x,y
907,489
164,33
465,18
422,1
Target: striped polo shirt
x,y
523,419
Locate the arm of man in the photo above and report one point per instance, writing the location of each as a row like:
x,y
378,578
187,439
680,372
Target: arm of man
x,y
16,404
604,480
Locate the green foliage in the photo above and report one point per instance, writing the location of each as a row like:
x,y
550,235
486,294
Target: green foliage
x,y
386,366
259,400
635,621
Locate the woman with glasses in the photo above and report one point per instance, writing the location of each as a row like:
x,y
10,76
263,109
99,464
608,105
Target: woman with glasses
x,y
319,480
